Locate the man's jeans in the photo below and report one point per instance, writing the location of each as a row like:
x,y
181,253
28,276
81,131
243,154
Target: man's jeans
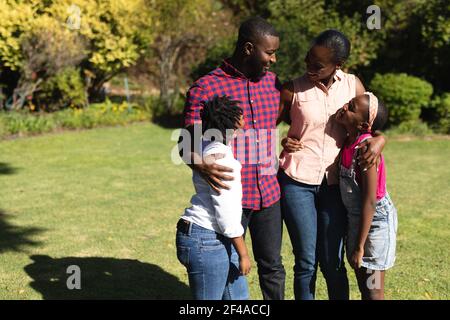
x,y
266,226
212,264
316,221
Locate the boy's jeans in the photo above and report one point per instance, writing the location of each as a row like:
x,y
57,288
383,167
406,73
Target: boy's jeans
x,y
212,264
316,221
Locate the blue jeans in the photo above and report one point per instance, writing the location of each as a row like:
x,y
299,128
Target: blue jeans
x,y
212,264
316,221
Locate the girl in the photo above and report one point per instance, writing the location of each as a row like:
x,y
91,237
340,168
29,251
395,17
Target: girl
x,y
372,217
310,198
209,236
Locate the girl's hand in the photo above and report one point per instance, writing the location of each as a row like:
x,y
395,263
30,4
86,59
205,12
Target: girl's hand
x,y
245,265
356,259
291,144
371,149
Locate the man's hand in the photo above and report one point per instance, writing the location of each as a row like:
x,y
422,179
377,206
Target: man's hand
x,y
214,173
245,265
371,149
356,259
291,144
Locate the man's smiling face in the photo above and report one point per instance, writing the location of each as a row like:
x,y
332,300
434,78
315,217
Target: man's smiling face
x,y
263,55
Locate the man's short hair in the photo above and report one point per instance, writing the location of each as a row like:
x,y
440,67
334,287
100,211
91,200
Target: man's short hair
x,y
252,29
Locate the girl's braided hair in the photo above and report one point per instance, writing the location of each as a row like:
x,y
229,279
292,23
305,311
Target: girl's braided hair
x,y
221,113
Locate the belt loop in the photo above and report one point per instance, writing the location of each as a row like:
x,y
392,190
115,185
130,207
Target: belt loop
x,y
190,228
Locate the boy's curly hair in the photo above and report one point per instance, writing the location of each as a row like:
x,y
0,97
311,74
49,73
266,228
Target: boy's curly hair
x,y
220,113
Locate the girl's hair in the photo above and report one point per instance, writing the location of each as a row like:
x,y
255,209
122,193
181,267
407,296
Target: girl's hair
x,y
220,113
337,42
381,118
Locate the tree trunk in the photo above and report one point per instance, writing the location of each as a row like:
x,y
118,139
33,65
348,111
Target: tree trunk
x,y
168,55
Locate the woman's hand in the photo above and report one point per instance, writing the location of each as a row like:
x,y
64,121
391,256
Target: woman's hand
x,y
356,259
291,144
245,265
371,150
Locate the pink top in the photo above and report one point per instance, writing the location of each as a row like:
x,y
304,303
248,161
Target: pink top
x,y
346,161
312,122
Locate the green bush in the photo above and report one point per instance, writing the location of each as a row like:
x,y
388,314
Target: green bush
x,y
438,113
158,110
403,95
65,89
412,127
101,114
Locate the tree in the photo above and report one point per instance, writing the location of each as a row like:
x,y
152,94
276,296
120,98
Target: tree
x,y
183,31
116,33
298,22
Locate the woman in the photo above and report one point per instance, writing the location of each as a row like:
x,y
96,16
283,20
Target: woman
x,y
311,203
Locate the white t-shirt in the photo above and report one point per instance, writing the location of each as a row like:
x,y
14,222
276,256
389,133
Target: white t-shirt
x,y
219,212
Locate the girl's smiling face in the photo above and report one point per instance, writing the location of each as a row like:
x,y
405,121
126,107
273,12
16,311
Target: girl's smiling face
x,y
355,113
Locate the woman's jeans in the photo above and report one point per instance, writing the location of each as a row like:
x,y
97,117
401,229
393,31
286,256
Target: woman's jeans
x,y
316,220
212,264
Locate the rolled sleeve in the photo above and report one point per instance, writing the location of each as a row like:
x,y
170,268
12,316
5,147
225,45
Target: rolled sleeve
x,y
228,213
228,204
195,99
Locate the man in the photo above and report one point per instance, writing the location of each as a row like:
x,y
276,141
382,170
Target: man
x,y
245,77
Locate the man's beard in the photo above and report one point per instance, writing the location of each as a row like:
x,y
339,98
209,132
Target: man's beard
x,y
257,70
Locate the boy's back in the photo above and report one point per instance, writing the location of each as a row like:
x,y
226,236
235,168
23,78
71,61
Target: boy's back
x,y
221,212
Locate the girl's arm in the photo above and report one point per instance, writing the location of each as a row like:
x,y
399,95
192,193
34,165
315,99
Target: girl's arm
x,y
286,96
369,201
228,212
244,259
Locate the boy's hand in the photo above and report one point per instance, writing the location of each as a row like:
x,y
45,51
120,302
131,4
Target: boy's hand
x,y
245,265
371,149
214,173
291,144
356,259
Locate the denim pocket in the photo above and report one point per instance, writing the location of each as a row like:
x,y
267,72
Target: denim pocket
x,y
211,244
381,212
183,255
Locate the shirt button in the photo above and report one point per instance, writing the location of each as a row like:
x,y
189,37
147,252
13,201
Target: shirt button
x,y
254,121
251,101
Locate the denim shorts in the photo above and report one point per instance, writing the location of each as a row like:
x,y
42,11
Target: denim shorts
x,y
379,249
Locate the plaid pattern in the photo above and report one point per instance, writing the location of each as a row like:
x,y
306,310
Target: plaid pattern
x,y
254,148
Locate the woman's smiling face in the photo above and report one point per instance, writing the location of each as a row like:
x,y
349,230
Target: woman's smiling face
x,y
319,63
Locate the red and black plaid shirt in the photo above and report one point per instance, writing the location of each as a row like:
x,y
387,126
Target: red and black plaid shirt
x,y
256,149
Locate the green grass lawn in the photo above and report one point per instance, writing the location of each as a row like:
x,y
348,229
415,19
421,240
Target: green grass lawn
x,y
108,200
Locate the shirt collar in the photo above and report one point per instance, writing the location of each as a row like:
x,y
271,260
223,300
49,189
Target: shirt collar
x,y
229,69
337,77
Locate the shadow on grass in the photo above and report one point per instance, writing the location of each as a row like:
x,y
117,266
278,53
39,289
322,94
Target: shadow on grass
x,y
5,168
15,238
170,121
104,278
